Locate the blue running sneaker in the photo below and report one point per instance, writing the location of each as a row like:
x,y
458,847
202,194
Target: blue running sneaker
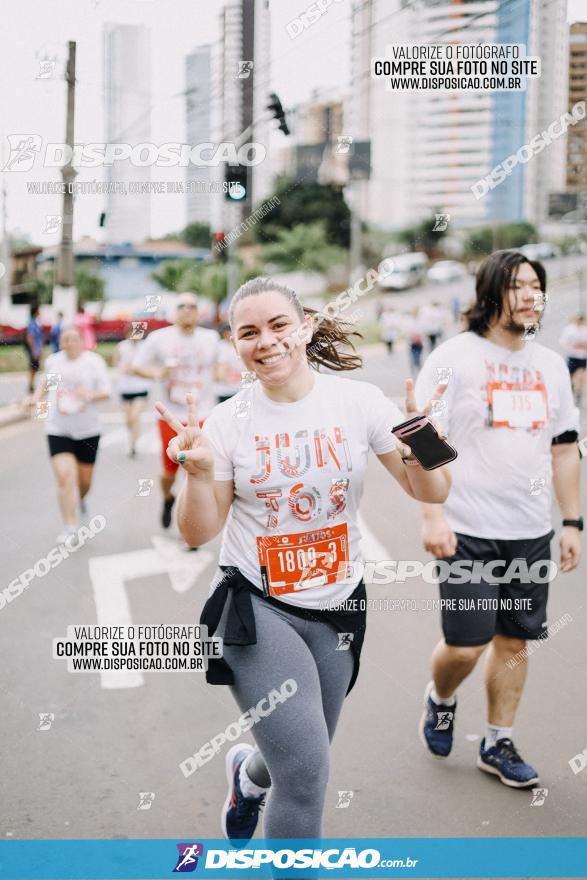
x,y
437,726
239,814
503,760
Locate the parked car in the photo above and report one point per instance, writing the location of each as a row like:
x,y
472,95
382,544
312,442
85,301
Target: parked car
x,y
543,250
446,270
407,270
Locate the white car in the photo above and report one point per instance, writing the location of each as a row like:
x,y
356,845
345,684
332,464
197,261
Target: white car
x,y
543,250
445,271
402,271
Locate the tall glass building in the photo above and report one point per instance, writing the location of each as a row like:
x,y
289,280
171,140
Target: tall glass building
x,y
429,147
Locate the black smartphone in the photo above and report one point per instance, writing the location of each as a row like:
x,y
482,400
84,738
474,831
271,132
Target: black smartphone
x,y
425,442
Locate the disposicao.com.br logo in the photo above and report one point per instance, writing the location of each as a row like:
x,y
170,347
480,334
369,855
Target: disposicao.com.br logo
x,y
266,860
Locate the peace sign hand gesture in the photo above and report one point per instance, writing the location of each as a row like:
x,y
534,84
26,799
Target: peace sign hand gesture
x,y
190,447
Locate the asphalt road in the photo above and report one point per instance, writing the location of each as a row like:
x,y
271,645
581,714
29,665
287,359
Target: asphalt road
x,y
81,778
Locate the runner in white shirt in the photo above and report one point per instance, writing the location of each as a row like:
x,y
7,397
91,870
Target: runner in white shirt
x,y
280,467
74,381
133,390
509,410
433,320
573,342
183,357
391,324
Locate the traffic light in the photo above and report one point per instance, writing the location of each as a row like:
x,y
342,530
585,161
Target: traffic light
x,y
236,176
278,112
219,251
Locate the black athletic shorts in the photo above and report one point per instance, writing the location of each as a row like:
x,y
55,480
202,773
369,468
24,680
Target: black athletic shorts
x,y
575,364
84,450
132,395
478,611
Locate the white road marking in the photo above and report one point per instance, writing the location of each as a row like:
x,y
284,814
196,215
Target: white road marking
x,y
109,574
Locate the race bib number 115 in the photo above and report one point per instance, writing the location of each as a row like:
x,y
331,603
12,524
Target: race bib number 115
x,y
515,406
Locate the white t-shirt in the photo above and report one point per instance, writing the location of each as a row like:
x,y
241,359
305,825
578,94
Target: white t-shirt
x,y
69,416
573,341
432,319
390,326
127,354
501,410
413,329
298,471
192,357
231,366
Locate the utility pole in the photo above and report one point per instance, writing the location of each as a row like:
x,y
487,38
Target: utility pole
x,y
5,272
64,294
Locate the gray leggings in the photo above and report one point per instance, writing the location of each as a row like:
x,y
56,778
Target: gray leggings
x,y
294,739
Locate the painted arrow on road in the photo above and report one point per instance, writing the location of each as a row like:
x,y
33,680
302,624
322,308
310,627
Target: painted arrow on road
x,y
109,574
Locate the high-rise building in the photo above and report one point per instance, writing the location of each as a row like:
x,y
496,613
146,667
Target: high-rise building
x,y
241,88
546,101
319,121
198,113
127,74
577,134
313,154
429,147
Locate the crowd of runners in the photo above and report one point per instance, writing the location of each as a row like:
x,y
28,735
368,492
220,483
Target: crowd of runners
x,y
278,467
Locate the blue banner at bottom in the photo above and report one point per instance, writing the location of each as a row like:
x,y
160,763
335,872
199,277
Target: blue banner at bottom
x,y
368,858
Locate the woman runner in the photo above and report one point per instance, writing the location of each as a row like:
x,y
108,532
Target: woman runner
x,y
75,380
133,389
282,464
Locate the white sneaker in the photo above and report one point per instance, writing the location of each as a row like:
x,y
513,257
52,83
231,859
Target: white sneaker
x,y
64,536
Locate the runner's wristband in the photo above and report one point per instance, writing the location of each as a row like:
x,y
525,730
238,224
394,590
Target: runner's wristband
x,y
574,523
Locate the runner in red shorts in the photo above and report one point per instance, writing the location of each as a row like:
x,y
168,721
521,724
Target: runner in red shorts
x,y
183,358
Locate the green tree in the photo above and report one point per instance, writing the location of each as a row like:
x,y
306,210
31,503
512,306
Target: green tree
x,y
89,285
306,203
375,242
209,280
197,235
485,239
169,274
421,235
214,281
306,246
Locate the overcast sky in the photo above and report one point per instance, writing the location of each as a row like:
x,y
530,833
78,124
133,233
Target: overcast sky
x,y
317,59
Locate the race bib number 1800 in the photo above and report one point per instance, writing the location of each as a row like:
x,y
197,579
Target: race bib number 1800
x,y
290,563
